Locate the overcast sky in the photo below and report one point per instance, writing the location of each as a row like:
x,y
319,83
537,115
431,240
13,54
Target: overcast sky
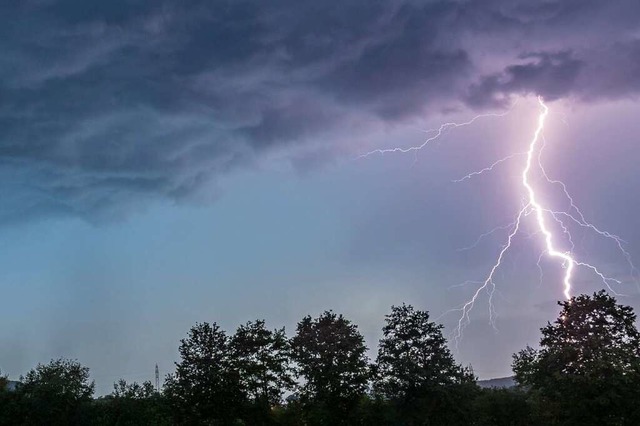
x,y
167,162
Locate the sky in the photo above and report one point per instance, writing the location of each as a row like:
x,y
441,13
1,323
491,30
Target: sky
x,y
169,162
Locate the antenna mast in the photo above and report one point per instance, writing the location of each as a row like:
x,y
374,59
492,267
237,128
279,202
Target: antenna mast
x,y
157,379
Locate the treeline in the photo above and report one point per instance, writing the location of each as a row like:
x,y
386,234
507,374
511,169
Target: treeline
x,y
587,372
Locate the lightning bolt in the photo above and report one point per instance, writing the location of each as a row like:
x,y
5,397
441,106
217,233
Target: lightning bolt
x,y
531,206
567,260
541,213
488,168
437,134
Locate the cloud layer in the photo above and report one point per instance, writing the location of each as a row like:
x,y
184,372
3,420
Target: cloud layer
x,y
107,106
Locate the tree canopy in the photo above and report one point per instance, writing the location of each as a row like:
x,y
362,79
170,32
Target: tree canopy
x,y
55,393
587,369
413,355
261,357
331,357
205,387
415,368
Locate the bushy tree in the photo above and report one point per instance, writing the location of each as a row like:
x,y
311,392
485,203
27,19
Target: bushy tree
x,y
205,388
416,371
57,393
330,356
587,370
10,412
503,407
132,404
135,390
261,357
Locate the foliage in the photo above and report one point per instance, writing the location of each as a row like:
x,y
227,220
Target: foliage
x,y
587,369
9,409
415,369
261,357
502,407
131,404
586,372
57,393
330,356
205,388
134,391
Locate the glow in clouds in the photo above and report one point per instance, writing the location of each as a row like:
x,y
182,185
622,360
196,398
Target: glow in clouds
x,y
531,205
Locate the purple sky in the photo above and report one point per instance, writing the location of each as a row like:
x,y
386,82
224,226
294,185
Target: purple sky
x,y
170,162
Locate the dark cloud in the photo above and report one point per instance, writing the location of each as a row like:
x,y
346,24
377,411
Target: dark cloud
x,y
103,108
551,75
616,73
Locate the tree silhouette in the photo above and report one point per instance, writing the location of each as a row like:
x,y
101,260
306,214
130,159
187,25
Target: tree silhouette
x,y
330,354
10,410
131,404
56,393
261,357
587,369
205,388
415,369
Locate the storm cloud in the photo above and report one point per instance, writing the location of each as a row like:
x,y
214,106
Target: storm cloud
x,y
107,106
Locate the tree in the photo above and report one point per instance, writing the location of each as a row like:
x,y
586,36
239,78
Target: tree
x,y
502,407
415,369
56,393
587,369
135,390
131,404
330,355
261,357
205,388
9,403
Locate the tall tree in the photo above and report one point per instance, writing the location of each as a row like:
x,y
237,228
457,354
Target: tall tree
x,y
330,355
587,370
262,359
415,369
56,393
205,388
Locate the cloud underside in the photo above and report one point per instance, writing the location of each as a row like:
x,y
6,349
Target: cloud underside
x,y
103,108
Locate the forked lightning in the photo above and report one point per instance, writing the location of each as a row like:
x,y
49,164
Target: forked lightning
x,y
531,206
